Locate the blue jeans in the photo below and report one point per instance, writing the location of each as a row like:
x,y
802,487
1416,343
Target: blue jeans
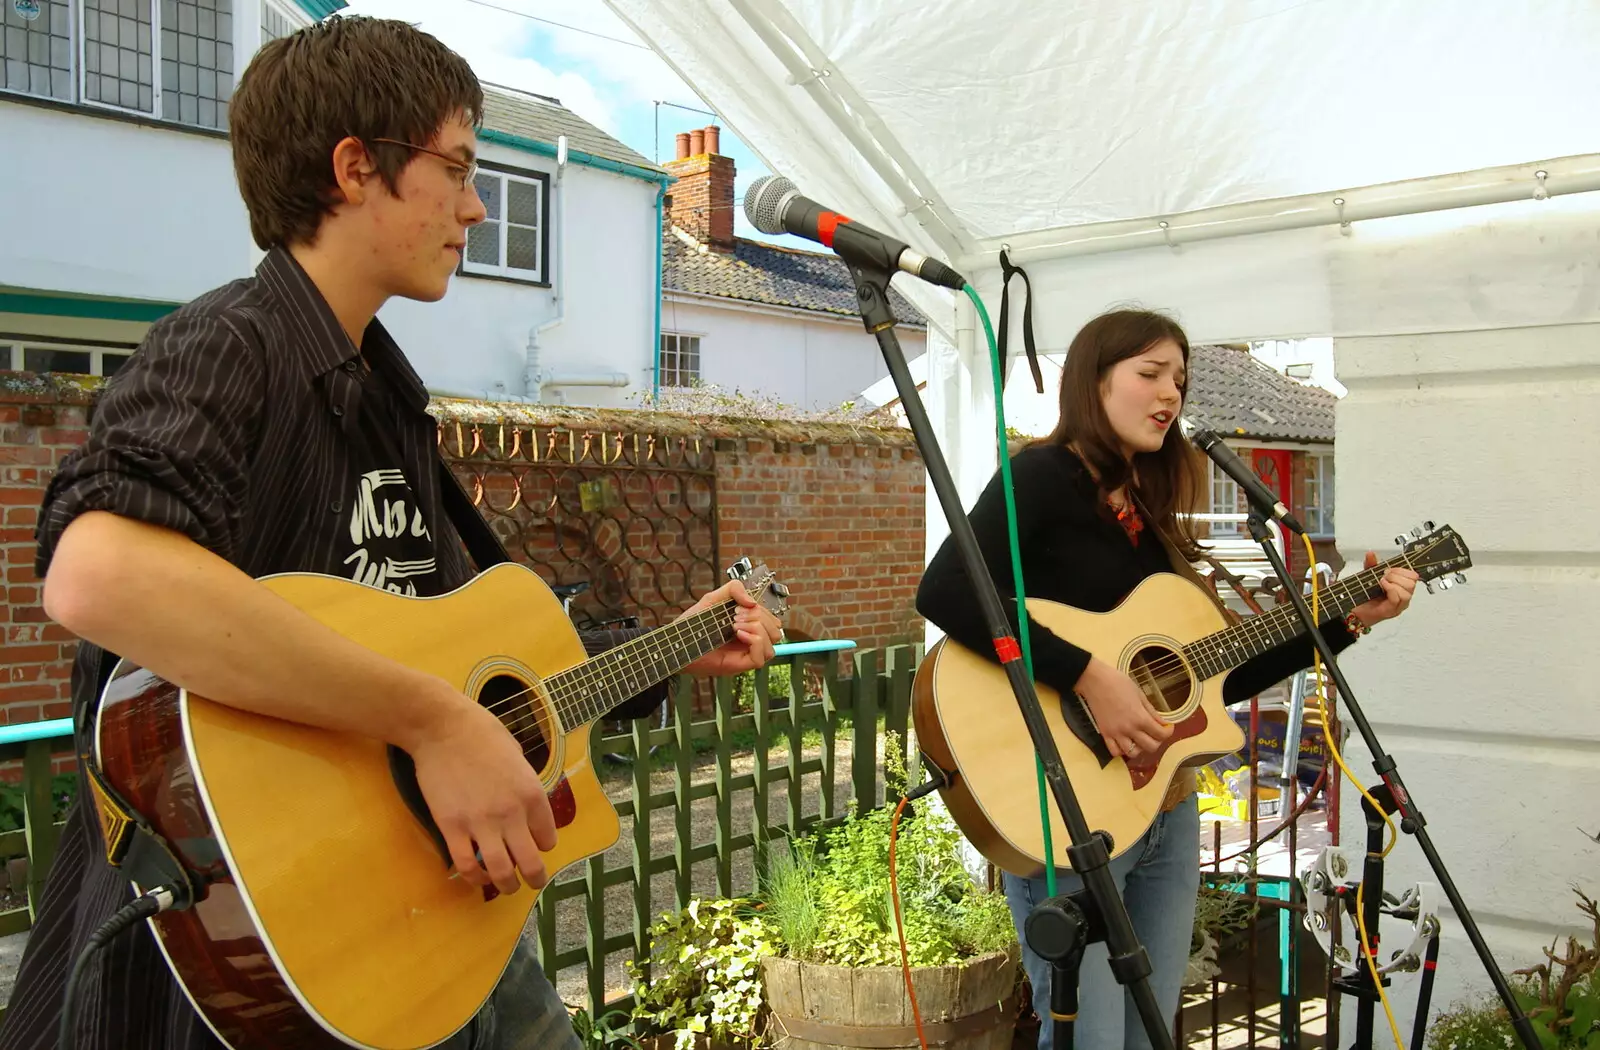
x,y
524,1013
1159,877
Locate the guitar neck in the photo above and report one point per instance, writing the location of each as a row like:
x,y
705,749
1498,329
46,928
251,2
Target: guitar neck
x,y
586,692
1227,649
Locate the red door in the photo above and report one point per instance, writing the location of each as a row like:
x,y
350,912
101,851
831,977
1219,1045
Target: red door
x,y
1272,466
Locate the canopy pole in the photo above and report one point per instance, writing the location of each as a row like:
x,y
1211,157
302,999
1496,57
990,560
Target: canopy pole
x,y
1535,180
815,83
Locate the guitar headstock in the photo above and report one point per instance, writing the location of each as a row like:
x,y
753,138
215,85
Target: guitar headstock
x,y
1436,553
762,584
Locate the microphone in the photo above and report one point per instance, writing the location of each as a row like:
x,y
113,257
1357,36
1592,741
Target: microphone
x,y
1260,497
773,205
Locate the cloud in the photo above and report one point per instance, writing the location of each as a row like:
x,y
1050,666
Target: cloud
x,y
497,45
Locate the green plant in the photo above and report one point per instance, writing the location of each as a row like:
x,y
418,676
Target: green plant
x,y
829,896
779,686
705,964
603,1032
1564,1006
63,788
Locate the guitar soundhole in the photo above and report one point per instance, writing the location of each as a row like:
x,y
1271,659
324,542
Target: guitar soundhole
x,y
1163,678
517,706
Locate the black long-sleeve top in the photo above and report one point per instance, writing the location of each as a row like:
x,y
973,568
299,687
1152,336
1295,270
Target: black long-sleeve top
x,y
1075,553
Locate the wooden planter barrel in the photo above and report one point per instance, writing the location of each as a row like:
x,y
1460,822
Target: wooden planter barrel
x,y
970,1005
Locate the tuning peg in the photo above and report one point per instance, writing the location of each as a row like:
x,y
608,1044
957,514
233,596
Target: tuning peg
x,y
781,590
1461,577
1429,585
1427,526
1445,583
1399,541
739,569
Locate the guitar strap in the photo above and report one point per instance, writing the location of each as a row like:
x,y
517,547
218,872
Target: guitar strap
x,y
481,542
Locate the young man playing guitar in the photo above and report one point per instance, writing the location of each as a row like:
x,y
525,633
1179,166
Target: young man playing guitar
x,y
1097,506
271,426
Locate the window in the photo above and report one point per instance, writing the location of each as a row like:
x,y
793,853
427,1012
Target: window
x,y
680,359
511,240
1317,503
35,354
1224,500
170,59
277,22
36,43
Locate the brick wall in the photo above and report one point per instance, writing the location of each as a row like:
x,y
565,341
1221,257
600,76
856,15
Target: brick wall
x,y
840,521
40,422
841,524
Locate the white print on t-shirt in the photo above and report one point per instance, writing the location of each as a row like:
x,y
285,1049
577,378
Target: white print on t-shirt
x,y
374,519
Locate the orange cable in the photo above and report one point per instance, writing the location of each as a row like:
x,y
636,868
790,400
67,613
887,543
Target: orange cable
x,y
899,924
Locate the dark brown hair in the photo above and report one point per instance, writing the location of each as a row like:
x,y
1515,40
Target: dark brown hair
x,y
1168,481
366,78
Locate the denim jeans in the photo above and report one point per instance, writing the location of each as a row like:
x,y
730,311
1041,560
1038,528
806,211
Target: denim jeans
x,y
1159,877
524,1013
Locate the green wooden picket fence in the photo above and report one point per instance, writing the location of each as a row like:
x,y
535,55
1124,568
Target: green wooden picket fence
x,y
746,725
820,787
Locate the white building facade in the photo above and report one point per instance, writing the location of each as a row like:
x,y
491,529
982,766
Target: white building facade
x,y
114,112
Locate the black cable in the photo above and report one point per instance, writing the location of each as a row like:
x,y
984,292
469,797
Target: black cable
x,y
142,907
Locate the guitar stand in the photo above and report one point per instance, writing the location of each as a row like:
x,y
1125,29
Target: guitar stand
x,y
1102,906
1395,798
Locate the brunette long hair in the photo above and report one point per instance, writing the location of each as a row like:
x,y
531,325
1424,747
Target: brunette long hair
x,y
1168,482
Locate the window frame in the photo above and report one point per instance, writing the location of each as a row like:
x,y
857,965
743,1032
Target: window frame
x,y
1321,520
500,272
14,346
699,357
79,71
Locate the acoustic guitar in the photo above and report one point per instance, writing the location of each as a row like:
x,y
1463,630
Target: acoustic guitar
x,y
1173,640
327,914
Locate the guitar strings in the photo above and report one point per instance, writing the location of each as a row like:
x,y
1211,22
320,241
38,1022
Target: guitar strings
x,y
570,690
1172,670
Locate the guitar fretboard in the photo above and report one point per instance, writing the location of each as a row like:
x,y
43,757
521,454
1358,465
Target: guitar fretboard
x,y
586,692
1227,649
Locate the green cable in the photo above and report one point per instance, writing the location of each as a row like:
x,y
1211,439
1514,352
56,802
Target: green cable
x,y
1016,568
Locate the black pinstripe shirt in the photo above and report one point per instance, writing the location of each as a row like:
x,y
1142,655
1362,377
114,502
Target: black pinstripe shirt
x,y
237,423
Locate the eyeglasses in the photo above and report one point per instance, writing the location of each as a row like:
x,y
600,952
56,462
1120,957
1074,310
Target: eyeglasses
x,y
464,171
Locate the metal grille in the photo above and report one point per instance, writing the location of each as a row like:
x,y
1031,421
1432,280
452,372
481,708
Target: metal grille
x,y
634,515
36,48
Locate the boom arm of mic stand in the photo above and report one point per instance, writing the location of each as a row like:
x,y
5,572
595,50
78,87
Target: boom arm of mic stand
x,y
1088,854
1413,823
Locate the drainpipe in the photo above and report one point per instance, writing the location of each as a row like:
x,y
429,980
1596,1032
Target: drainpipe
x,y
534,378
655,347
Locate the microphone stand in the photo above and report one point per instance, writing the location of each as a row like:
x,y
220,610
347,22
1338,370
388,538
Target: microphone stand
x,y
1103,908
1393,797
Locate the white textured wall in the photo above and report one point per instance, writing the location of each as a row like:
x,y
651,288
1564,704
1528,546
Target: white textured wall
x,y
811,363
1484,694
105,207
476,338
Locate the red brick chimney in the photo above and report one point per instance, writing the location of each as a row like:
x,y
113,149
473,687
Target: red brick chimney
x,y
702,198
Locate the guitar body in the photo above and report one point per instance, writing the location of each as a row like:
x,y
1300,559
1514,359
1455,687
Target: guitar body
x,y
329,918
968,720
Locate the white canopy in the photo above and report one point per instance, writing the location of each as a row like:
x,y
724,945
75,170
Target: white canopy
x,y
1078,130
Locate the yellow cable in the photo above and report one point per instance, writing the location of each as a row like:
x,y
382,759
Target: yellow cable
x,y
1333,749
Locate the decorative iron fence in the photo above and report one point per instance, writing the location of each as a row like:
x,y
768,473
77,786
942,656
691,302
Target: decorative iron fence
x,y
632,515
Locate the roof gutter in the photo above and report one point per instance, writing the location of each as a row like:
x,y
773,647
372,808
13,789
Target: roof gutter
x,y
575,156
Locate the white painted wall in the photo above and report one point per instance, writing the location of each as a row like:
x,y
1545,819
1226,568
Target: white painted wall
x,y
110,208
804,360
1483,694
476,338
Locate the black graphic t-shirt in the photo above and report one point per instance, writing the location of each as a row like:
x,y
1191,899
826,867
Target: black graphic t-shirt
x,y
389,545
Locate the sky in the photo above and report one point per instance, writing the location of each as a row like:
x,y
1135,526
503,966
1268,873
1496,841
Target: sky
x,y
588,58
